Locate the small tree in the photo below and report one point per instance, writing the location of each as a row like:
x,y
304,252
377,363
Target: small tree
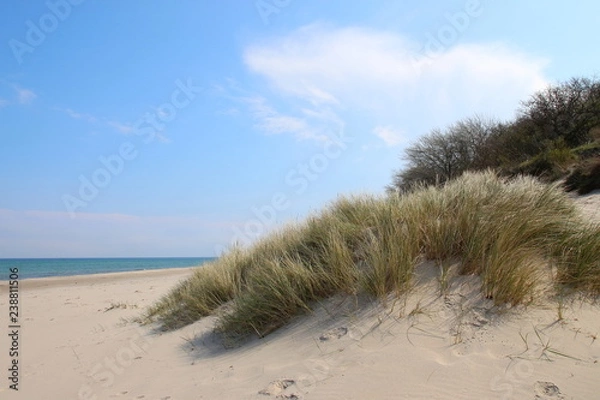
x,y
441,156
514,142
569,110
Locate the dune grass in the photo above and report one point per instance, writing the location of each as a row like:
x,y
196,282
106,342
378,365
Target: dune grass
x,y
509,232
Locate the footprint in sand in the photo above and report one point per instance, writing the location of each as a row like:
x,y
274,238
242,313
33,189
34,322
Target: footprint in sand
x,y
277,389
547,391
335,333
316,370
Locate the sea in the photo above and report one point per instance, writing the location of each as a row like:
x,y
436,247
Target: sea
x,y
47,267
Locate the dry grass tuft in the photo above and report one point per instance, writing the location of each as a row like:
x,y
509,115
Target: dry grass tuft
x,y
510,232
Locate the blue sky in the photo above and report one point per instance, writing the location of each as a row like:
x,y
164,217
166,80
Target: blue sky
x,y
147,128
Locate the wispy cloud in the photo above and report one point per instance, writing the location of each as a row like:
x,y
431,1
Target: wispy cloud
x,y
162,138
77,115
302,123
25,96
380,75
272,122
21,95
121,127
230,112
390,136
130,129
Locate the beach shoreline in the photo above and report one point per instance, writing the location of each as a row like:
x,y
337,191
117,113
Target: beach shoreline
x,y
30,283
33,268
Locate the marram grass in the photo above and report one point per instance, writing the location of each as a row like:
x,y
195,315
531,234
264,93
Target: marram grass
x,y
509,232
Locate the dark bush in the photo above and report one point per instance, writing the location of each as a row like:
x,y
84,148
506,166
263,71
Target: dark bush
x,y
585,178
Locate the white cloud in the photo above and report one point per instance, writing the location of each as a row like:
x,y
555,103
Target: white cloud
x,y
381,76
76,115
121,127
272,121
124,128
128,129
22,96
314,62
390,136
230,112
317,123
282,124
25,96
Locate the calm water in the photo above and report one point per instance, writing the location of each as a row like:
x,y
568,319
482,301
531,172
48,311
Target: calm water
x,y
44,267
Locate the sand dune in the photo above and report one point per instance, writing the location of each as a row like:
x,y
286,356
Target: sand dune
x,y
78,342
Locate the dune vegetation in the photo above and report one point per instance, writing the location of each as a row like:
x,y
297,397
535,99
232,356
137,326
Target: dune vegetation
x,y
508,231
555,135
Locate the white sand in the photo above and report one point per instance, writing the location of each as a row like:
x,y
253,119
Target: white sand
x,y
75,346
590,205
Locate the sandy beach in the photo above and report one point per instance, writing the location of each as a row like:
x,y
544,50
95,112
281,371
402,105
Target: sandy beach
x,y
77,340
300,200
